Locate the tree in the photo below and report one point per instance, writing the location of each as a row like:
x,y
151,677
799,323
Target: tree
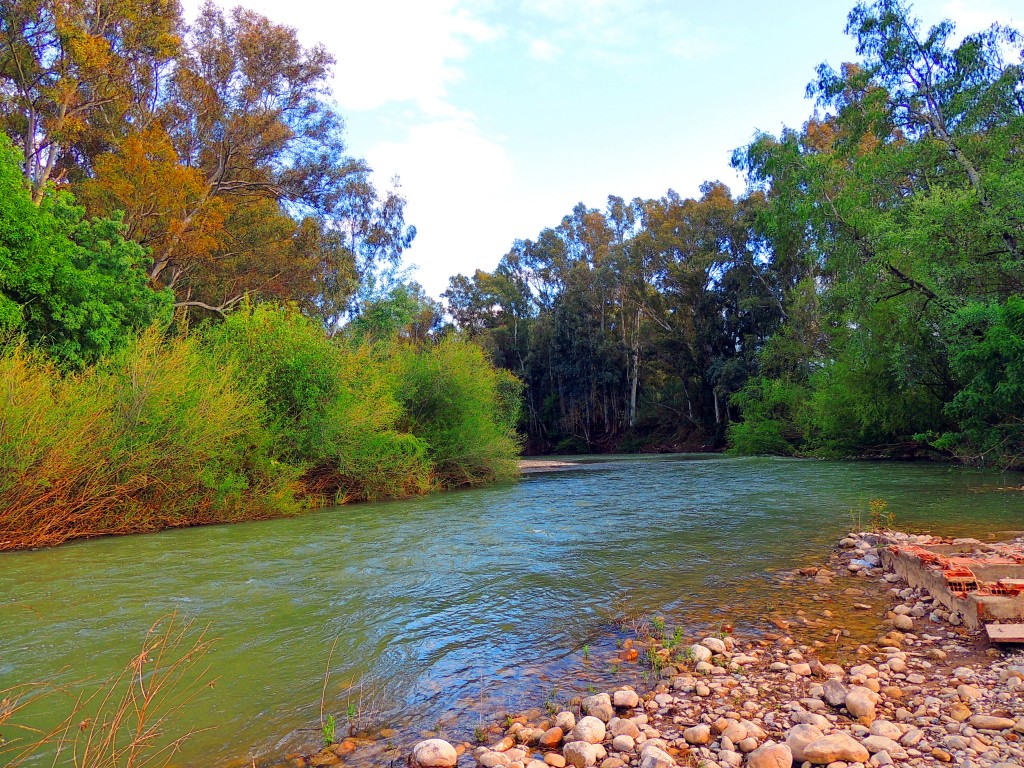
x,y
72,285
75,74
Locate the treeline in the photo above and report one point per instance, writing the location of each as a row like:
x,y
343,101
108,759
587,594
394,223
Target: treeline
x,y
200,319
863,297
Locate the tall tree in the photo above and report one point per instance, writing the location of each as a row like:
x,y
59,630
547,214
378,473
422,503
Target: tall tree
x,y
76,74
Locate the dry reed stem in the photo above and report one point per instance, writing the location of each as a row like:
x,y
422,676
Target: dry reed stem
x,y
120,723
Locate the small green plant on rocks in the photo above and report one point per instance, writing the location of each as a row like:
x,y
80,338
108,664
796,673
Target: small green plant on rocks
x,y
328,729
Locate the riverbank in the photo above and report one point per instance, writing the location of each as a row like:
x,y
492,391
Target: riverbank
x,y
921,691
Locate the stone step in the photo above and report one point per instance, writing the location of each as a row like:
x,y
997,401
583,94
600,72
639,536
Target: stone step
x,y
1005,633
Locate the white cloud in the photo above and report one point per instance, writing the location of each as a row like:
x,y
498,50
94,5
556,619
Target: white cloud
x,y
458,183
975,15
542,50
611,28
387,50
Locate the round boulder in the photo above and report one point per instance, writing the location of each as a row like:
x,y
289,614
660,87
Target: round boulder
x,y
580,754
589,729
434,753
770,755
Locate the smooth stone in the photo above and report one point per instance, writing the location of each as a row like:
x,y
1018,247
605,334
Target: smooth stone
x,y
834,692
580,754
599,706
566,721
886,729
434,753
618,726
838,746
700,653
875,744
991,723
903,623
798,737
623,743
589,729
698,734
655,757
625,699
770,755
713,644
552,738
735,733
861,702
493,759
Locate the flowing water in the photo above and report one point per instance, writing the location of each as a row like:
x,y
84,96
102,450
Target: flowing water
x,y
453,603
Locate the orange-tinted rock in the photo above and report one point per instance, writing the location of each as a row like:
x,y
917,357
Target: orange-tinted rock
x,y
551,738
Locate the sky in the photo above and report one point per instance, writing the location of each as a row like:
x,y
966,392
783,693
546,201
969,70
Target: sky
x,y
498,116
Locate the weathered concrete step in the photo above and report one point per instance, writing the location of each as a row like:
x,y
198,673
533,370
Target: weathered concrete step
x,y
1005,633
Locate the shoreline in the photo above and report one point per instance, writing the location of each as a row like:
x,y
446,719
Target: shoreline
x,y
931,693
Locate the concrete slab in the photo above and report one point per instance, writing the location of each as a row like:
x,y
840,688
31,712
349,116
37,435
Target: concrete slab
x,y
1005,633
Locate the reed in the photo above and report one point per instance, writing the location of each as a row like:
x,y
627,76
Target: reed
x,y
123,722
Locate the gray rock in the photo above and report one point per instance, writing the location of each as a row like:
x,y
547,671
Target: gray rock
x,y
834,693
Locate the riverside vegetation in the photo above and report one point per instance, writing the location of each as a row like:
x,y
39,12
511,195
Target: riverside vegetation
x,y
256,417
179,246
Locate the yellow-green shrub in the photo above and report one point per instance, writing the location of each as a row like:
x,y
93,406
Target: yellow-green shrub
x,y
158,436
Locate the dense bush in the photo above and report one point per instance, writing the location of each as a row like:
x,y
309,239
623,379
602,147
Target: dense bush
x,y
463,409
987,355
157,436
332,404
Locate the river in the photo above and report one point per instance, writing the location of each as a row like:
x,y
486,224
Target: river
x,y
454,603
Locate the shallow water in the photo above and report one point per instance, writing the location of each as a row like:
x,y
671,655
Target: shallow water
x,y
456,602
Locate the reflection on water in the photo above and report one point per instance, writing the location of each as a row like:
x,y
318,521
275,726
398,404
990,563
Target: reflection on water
x,y
458,600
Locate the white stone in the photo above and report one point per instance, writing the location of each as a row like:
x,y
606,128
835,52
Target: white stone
x,y
589,729
434,753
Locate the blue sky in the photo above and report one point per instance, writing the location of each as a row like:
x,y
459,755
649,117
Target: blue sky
x,y
500,116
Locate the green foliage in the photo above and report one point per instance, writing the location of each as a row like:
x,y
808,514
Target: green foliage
x,y
73,286
334,407
328,730
987,356
461,408
160,435
769,408
901,204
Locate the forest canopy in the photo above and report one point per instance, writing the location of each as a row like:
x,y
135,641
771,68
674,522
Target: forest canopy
x,y
862,297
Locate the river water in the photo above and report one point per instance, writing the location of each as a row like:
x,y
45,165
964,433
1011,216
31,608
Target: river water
x,y
455,603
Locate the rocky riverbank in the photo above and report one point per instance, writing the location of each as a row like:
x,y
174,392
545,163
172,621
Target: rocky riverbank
x,y
923,692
